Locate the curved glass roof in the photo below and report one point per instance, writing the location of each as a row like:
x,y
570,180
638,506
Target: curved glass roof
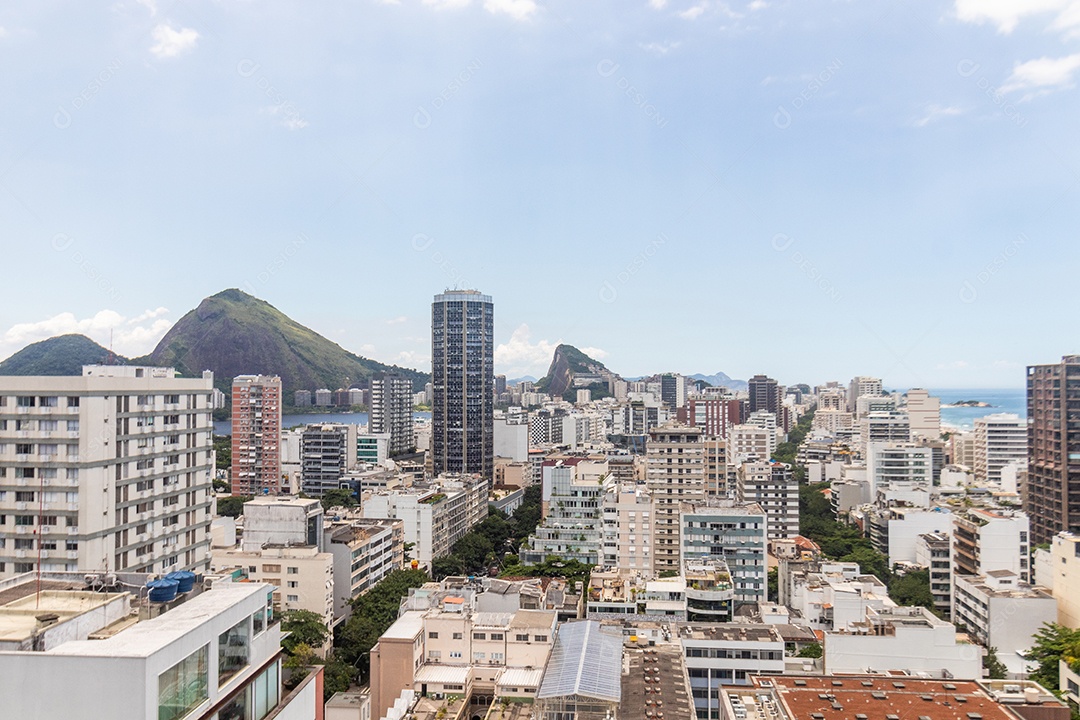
x,y
584,661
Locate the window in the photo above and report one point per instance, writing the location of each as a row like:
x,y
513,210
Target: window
x,y
183,686
479,636
73,402
24,543
271,568
24,519
292,598
453,653
293,584
47,426
24,496
72,545
258,621
540,638
457,636
496,636
48,401
521,638
293,570
433,636
478,657
23,401
232,651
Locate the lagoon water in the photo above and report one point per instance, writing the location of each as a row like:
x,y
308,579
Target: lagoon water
x,y
224,427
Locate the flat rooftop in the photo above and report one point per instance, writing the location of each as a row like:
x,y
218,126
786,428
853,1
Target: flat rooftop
x,y
742,632
654,678
149,636
879,698
18,618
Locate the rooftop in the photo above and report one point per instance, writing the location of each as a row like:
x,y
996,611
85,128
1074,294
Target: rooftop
x,y
582,662
654,679
741,632
878,698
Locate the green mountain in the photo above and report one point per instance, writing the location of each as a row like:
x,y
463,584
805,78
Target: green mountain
x,y
233,333
566,363
60,355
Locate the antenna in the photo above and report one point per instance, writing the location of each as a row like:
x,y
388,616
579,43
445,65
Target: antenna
x,y
112,356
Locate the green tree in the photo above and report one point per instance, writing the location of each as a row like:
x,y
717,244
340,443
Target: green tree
x,y
232,506
1053,643
995,669
298,664
338,675
773,585
223,450
810,650
912,588
220,485
304,628
338,497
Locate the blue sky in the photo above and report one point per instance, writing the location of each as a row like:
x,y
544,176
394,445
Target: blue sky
x,y
811,189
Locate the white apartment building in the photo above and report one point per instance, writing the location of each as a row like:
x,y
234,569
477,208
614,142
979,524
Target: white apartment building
x,y
924,414
675,474
364,552
999,439
434,518
726,654
832,399
734,532
985,540
626,540
835,596
107,471
1065,571
773,487
747,441
512,436
891,464
911,640
933,551
884,427
862,385
1000,611
450,648
215,654
571,528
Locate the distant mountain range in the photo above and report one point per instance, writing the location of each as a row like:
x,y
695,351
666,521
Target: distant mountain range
x,y
230,333
721,380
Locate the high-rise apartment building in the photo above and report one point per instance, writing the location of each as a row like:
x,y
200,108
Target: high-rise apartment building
x,y
772,486
676,473
325,452
765,394
391,412
256,435
672,391
107,471
859,386
924,414
1000,439
463,380
712,415
1052,498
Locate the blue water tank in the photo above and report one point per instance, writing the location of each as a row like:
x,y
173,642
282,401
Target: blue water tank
x,y
185,578
162,590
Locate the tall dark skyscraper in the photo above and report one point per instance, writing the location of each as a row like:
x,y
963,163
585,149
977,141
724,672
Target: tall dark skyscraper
x,y
765,394
463,383
1052,496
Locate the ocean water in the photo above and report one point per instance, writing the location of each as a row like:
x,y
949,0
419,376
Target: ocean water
x,y
1008,400
224,427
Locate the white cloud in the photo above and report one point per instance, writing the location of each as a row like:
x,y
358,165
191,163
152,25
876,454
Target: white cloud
x,y
757,5
659,49
694,12
150,5
398,320
517,9
411,359
936,112
170,42
658,4
1044,74
130,336
522,356
1005,14
447,4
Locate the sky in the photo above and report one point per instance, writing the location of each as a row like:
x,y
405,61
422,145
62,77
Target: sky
x,y
811,190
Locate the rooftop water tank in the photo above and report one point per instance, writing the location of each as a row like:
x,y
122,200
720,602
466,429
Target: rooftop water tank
x,y
162,590
185,578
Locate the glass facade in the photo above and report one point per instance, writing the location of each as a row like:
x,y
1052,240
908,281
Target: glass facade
x,y
183,687
233,651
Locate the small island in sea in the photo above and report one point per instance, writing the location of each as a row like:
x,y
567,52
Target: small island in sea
x,y
968,403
